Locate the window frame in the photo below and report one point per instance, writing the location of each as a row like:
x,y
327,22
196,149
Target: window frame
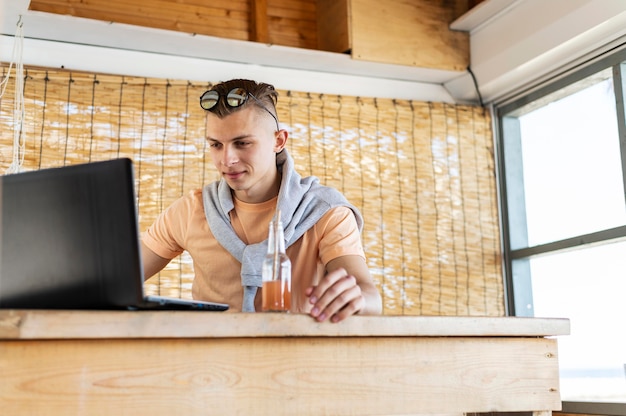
x,y
518,289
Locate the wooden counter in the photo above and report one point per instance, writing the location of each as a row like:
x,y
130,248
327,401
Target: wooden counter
x,y
171,363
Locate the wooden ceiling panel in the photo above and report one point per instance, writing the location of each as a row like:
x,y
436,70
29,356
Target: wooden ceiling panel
x,y
160,14
293,9
398,32
293,23
286,22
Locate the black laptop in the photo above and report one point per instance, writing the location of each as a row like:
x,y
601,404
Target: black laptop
x,y
70,240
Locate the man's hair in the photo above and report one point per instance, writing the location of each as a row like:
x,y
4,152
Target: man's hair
x,y
263,92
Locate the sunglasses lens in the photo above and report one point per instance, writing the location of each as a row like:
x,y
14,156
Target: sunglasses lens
x,y
236,97
209,99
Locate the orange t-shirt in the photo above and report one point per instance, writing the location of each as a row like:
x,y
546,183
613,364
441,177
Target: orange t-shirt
x,y
183,226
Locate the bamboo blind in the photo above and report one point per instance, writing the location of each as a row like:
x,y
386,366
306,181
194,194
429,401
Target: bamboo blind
x,y
421,173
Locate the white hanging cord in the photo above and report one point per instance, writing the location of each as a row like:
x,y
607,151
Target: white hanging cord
x,y
18,103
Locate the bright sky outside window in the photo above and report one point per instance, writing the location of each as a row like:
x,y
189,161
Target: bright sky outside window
x,y
572,167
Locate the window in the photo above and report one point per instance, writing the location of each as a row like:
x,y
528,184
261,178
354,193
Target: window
x,y
562,161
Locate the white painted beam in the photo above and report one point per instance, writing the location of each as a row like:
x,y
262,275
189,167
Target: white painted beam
x,y
85,44
535,39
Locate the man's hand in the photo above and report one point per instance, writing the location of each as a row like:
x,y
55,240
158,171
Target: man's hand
x,y
347,289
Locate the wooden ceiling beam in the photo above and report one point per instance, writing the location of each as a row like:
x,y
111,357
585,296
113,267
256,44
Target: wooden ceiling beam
x,y
259,24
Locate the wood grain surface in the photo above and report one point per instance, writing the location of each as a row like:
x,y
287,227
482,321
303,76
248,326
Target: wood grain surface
x,y
59,324
282,375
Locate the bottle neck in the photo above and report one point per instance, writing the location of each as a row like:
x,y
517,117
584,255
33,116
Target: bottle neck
x,y
276,240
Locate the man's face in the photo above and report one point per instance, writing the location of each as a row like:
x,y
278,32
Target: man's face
x,y
243,146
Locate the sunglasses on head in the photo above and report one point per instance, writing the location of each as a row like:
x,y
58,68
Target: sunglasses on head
x,y
235,98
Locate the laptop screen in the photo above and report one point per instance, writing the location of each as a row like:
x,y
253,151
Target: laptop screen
x,y
70,238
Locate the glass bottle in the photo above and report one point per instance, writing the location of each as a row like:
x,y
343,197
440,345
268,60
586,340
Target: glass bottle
x,y
276,292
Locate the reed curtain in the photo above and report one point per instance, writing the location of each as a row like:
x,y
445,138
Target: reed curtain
x,y
421,173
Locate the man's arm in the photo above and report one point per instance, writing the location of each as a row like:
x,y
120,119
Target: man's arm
x,y
346,289
152,262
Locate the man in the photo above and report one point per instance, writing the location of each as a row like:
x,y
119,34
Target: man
x,y
224,226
